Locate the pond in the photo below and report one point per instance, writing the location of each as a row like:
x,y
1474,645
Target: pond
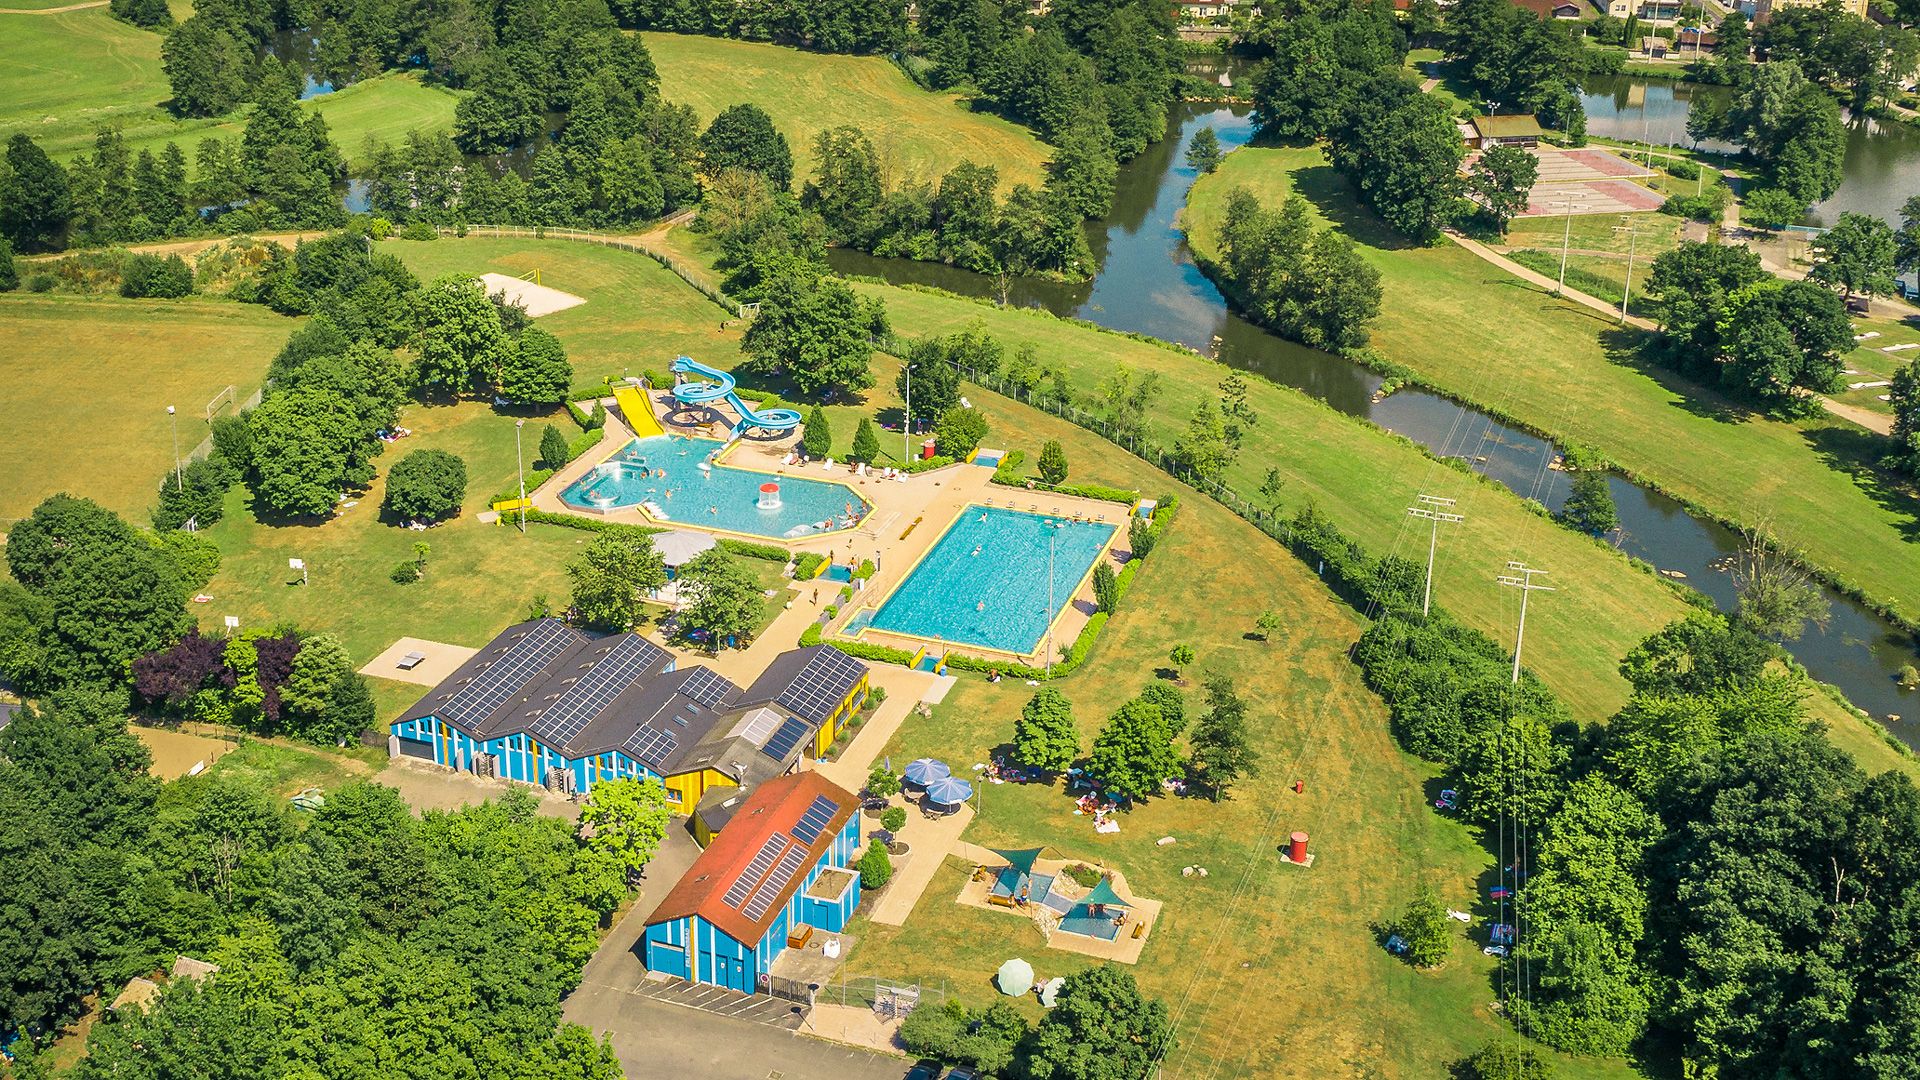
x,y
1148,283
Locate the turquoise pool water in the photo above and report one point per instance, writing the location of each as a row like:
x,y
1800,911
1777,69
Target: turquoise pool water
x,y
985,581
714,497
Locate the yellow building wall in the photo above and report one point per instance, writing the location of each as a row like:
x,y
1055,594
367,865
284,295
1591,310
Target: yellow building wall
x,y
691,786
837,722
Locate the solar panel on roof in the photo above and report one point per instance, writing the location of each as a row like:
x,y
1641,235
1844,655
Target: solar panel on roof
x,y
807,829
822,685
707,686
783,740
508,675
769,891
761,860
596,689
651,746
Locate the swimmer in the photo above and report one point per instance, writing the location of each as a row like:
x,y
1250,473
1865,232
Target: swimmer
x,y
713,510
981,606
976,551
669,493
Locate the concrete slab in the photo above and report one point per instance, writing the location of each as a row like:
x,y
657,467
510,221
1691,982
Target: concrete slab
x,y
1591,197
537,299
442,660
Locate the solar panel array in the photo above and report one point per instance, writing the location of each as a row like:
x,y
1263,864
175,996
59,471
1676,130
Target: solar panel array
x,y
783,740
612,674
756,726
823,684
808,828
708,687
650,746
508,675
769,890
769,851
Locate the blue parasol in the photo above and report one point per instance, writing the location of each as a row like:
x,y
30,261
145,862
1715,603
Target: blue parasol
x,y
949,790
926,770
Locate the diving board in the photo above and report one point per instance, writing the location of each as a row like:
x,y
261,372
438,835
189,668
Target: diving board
x,y
639,415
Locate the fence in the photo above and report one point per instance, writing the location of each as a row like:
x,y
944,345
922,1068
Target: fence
x,y
200,452
890,999
582,236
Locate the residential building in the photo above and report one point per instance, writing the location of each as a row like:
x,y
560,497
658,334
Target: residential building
x,y
545,703
1766,7
1551,9
781,872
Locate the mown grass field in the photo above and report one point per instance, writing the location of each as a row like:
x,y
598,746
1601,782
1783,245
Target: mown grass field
x,y
1569,371
64,77
919,134
1268,970
88,379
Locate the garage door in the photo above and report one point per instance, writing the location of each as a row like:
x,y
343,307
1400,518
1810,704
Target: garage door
x,y
419,748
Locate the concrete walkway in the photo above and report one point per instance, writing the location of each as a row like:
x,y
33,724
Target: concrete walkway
x,y
928,840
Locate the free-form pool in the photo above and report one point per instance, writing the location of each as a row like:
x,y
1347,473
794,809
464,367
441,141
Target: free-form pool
x,y
673,480
985,580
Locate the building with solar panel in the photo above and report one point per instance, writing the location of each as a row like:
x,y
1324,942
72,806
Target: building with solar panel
x,y
780,873
547,704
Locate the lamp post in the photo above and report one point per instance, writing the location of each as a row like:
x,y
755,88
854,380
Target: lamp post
x,y
520,464
178,483
906,446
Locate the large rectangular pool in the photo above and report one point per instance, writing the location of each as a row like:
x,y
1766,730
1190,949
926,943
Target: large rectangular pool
x,y
984,582
672,479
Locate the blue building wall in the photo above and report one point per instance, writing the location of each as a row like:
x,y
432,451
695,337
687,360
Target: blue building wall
x,y
720,959
520,757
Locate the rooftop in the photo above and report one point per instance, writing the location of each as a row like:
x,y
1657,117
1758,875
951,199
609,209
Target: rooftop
x,y
754,867
1507,127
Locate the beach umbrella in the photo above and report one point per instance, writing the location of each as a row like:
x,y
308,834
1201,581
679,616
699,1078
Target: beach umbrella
x,y
949,790
1016,977
926,770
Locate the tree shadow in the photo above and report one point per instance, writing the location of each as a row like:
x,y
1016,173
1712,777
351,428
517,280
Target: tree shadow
x,y
1336,200
1630,348
1856,452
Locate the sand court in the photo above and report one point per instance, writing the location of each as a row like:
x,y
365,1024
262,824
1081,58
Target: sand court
x,y
537,299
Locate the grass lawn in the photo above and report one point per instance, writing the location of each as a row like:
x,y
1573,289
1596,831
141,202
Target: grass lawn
x,y
1597,232
1268,970
1568,371
88,380
64,77
285,769
1871,364
917,133
637,315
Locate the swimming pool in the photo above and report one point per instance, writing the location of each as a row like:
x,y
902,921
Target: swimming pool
x,y
985,580
694,492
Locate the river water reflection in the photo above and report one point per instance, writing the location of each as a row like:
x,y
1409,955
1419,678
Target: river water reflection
x,y
1148,283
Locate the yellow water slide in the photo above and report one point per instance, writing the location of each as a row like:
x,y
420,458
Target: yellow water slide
x,y
639,415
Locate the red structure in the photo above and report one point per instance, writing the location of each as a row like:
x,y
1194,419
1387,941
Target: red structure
x,y
1297,853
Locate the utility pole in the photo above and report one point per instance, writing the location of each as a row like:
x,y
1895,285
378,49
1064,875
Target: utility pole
x,y
1633,234
519,462
1523,582
1566,238
1435,510
178,483
906,373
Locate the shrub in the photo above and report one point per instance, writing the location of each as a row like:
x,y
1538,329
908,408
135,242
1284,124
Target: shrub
x,y
810,636
874,697
1685,170
9,273
876,869
1503,1059
1424,927
893,819
406,573
1053,462
1083,875
425,485
419,230
959,431
143,276
41,282
808,565
553,447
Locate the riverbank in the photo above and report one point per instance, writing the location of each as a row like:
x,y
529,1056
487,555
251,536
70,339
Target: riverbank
x,y
1565,372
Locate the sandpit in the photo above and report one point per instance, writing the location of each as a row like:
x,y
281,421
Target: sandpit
x,y
537,299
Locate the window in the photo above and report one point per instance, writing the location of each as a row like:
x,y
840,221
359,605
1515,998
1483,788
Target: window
x,y
673,795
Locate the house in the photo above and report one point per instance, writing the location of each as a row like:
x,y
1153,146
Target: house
x,y
548,704
781,872
1856,8
1205,9
1492,131
1551,9
138,992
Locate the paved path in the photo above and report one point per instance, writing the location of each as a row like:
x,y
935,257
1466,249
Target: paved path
x,y
53,11
928,841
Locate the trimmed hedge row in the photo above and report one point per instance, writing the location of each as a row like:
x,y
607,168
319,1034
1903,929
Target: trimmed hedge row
x,y
571,521
753,551
1084,491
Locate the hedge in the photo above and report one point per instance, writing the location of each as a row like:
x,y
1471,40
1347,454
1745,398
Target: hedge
x,y
585,442
534,480
864,651
753,551
1007,472
807,566
580,417
1084,491
572,521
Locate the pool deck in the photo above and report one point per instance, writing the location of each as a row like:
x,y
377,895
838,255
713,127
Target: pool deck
x,y
908,517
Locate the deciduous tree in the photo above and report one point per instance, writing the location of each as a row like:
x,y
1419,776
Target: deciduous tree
x,y
722,597
426,485
1045,736
610,575
629,820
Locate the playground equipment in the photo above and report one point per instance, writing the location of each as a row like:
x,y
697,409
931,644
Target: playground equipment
x,y
722,387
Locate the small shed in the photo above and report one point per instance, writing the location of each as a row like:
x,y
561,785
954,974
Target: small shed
x,y
1516,130
1654,48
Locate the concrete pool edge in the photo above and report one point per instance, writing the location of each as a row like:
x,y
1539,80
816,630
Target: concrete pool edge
x,y
1032,657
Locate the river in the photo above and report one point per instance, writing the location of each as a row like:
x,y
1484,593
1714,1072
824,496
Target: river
x,y
1148,283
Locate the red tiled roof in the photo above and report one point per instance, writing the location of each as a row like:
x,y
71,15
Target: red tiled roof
x,y
773,808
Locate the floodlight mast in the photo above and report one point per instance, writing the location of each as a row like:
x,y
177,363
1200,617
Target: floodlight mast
x,y
1434,509
1522,580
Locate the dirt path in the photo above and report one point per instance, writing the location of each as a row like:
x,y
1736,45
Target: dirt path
x,y
53,10
1546,282
186,248
1872,421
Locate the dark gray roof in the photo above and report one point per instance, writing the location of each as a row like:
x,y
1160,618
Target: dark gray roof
x,y
807,682
7,713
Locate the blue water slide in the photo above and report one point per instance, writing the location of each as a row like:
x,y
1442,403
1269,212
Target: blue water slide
x,y
722,387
